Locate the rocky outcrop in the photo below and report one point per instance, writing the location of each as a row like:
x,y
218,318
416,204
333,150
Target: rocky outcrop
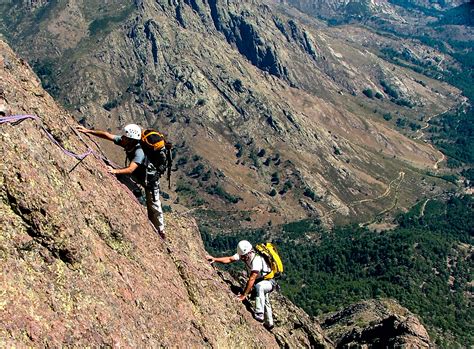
x,y
376,324
81,265
292,31
370,324
241,29
245,36
296,329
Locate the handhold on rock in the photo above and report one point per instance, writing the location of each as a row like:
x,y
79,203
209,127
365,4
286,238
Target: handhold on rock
x,y
3,109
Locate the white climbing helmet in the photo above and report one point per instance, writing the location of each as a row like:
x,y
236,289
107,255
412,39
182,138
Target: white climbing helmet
x,y
133,131
244,247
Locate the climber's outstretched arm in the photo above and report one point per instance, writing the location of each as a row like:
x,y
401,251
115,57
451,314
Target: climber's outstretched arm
x,y
223,260
97,133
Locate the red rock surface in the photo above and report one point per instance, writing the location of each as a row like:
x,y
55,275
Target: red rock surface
x,y
80,263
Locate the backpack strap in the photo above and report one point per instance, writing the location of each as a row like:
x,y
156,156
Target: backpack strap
x,y
169,162
262,272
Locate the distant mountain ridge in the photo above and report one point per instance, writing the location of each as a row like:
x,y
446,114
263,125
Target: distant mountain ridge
x,y
328,9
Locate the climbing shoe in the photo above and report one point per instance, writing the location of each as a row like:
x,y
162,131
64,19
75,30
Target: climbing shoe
x,y
258,317
268,327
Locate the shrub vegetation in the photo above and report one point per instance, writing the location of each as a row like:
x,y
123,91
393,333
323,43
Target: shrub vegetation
x,y
424,264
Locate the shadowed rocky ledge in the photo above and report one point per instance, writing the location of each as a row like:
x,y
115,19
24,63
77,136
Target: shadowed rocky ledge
x,y
375,324
80,263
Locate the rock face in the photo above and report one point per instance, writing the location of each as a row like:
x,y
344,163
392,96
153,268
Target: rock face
x,y
376,324
80,262
81,265
296,329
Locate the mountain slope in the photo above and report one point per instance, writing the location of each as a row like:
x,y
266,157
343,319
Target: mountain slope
x,y
81,266
80,262
280,97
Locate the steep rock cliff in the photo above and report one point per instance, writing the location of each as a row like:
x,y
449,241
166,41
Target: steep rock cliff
x,y
81,264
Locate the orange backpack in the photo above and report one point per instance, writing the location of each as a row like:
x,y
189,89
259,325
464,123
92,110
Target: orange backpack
x,y
158,151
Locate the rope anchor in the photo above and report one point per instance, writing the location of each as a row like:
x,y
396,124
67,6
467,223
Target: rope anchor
x,y
16,119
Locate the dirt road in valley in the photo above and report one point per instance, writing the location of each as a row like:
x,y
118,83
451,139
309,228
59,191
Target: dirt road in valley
x,y
397,181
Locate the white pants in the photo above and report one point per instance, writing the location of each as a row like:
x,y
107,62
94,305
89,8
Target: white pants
x,y
262,302
153,204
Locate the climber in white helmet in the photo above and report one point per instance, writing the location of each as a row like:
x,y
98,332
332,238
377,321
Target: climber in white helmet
x,y
138,167
257,268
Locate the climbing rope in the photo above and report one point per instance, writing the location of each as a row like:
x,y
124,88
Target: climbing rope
x,y
15,119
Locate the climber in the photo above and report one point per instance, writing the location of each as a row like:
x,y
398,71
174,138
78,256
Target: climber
x,y
257,267
142,170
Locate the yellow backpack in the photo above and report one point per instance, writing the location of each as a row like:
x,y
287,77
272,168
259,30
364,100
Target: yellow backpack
x,y
269,252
